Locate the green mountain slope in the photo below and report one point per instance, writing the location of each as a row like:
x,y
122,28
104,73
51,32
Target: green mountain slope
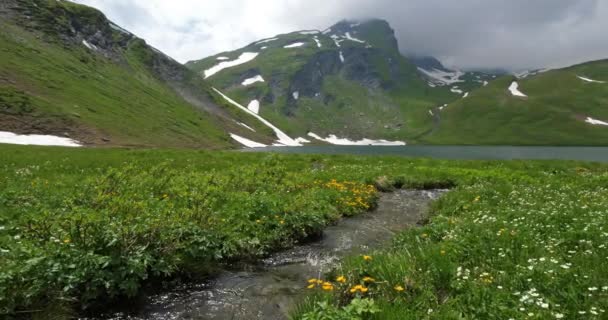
x,y
68,71
349,80
557,110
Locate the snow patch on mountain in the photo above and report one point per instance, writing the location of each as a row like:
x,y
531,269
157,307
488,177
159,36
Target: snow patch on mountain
x,y
246,142
89,45
337,40
590,80
514,88
252,80
466,94
294,45
302,140
246,126
456,90
37,140
296,95
529,73
222,58
243,58
442,78
341,57
319,45
254,106
119,29
266,40
282,137
596,122
333,139
351,38
306,32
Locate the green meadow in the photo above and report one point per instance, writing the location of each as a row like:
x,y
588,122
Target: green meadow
x,y
511,239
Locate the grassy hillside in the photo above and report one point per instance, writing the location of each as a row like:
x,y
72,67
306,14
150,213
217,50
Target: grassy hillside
x,y
84,227
375,92
554,112
66,70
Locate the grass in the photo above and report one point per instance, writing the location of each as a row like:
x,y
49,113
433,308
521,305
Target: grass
x,y
81,226
124,93
553,114
506,247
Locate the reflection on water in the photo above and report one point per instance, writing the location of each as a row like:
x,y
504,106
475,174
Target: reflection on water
x,y
270,289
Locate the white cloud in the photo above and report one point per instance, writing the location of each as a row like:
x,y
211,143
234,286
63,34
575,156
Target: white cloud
x,y
189,29
466,33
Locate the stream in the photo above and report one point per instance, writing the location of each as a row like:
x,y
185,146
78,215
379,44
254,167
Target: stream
x,y
271,288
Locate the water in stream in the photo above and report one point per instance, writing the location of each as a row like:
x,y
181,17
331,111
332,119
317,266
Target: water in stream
x,y
269,290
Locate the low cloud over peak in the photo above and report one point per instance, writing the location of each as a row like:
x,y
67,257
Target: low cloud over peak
x,y
514,34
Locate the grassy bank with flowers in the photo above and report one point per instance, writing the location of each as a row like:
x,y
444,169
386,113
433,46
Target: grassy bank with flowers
x,y
520,247
80,227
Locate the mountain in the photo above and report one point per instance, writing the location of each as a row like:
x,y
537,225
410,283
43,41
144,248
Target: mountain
x,y
544,107
459,82
349,81
66,70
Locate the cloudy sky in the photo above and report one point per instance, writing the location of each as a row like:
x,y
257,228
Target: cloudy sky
x,y
513,34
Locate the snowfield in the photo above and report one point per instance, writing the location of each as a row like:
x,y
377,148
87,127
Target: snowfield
x,y
596,122
443,78
341,57
319,45
306,32
243,58
246,142
296,95
590,80
250,81
254,106
466,94
337,40
302,140
351,38
89,46
294,45
222,58
37,140
246,126
282,137
266,40
514,88
333,139
456,90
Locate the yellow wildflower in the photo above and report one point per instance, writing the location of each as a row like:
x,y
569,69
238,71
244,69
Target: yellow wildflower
x,y
367,258
66,241
368,279
328,286
358,288
399,288
341,279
